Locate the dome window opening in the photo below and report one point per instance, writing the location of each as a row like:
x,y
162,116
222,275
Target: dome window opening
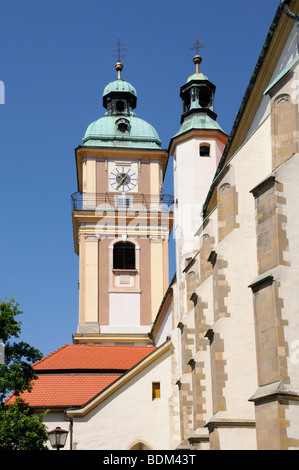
x,y
123,126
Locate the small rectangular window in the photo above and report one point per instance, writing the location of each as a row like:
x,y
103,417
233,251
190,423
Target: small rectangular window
x,y
156,391
124,202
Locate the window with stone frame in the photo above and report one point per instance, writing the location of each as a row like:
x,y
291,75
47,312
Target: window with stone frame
x,y
284,129
227,205
156,390
218,370
271,236
271,345
205,250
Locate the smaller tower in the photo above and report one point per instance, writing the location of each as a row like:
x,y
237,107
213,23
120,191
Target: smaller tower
x,y
196,148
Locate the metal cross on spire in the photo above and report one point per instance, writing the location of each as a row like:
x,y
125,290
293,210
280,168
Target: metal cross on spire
x,y
197,59
197,45
119,49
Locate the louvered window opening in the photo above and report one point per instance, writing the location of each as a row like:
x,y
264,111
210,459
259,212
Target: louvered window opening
x,y
124,256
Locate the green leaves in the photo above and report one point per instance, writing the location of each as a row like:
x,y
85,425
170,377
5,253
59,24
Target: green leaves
x,y
16,373
20,428
9,326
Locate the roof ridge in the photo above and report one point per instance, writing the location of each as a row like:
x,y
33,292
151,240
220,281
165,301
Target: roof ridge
x,y
74,356
114,345
51,354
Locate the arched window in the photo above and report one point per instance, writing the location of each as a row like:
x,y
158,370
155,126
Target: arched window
x,y
227,203
204,150
140,446
124,255
204,97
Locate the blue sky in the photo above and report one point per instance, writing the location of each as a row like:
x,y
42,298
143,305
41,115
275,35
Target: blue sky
x,y
55,61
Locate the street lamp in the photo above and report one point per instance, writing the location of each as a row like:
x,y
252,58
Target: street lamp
x,y
58,437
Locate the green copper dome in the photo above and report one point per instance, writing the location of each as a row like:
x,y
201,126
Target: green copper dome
x,y
198,121
120,127
121,131
119,86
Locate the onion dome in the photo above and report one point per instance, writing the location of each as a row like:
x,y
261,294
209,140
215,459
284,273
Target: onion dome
x,y
120,127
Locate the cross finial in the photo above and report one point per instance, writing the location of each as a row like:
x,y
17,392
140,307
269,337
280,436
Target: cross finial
x,y
118,50
197,45
197,59
118,55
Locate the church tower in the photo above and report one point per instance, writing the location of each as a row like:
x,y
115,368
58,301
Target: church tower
x,y
121,222
196,149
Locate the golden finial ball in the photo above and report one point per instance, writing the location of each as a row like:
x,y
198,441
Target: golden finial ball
x,y
119,66
197,60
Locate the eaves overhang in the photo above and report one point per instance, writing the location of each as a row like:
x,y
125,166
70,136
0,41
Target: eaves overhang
x,y
282,75
193,133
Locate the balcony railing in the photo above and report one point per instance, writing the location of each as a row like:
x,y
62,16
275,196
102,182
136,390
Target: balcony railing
x,y
118,202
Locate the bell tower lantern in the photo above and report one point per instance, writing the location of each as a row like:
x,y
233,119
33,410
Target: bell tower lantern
x,y
198,94
196,149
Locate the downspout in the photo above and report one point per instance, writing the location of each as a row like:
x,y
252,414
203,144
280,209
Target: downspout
x,y
70,420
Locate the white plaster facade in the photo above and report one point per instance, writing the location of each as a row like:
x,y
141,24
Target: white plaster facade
x,y
235,420
212,395
128,414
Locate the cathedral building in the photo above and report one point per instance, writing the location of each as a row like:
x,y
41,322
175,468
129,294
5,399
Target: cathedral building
x,y
210,359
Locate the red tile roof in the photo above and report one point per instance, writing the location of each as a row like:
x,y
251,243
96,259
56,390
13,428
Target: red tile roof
x,y
98,356
65,390
58,385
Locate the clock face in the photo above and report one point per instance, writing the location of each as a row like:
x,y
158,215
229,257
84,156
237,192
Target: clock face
x,y
123,179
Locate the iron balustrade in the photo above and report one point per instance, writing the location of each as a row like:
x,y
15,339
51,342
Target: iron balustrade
x,y
115,202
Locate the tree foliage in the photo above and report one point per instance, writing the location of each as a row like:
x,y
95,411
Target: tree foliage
x,y
20,428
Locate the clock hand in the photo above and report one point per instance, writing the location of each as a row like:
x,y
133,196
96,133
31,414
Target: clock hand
x,y
122,179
